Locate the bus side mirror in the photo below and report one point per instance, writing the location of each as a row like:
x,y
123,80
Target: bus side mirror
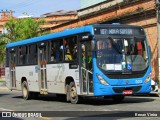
x,y
93,44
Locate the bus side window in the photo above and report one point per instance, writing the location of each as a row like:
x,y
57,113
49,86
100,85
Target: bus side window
x,y
56,50
20,55
70,48
60,49
24,55
33,54
51,51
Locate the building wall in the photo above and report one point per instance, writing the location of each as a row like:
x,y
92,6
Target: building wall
x,y
87,3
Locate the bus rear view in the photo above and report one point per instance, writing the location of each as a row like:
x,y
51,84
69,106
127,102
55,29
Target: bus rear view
x,y
122,61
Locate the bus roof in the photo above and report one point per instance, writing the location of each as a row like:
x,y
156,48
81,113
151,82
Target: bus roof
x,y
72,31
66,32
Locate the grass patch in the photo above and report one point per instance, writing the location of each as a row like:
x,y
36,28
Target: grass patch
x,y
2,80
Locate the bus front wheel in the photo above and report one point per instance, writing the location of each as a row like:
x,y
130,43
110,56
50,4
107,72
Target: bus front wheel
x,y
67,93
25,91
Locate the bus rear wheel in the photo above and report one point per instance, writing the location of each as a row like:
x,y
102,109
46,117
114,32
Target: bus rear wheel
x,y
74,98
67,93
25,91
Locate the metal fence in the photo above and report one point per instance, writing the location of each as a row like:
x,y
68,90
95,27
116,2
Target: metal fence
x,y
2,72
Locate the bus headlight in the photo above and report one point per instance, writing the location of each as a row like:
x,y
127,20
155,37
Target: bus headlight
x,y
148,78
101,79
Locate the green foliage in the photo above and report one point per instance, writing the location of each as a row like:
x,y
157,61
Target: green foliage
x,y
2,50
19,29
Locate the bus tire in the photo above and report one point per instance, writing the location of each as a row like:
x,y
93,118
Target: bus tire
x,y
25,91
67,93
118,98
74,98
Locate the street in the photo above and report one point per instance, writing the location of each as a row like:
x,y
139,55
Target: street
x,y
13,101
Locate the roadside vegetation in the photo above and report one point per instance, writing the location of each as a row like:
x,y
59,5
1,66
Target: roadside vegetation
x,y
19,29
2,80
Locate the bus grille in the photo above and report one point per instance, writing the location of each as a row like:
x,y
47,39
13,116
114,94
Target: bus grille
x,y
124,76
121,89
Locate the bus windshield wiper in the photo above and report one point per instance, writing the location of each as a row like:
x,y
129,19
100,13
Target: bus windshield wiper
x,y
115,45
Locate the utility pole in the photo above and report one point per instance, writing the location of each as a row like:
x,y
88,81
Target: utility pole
x,y
158,30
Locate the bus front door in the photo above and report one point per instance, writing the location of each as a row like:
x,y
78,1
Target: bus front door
x,y
42,74
86,68
12,66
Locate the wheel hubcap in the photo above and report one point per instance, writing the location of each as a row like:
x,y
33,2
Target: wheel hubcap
x,y
73,92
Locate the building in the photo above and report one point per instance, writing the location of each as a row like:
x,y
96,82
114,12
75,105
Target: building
x,y
56,18
5,16
87,3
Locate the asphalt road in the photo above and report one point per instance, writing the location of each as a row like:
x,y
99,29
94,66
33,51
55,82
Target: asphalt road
x,y
93,107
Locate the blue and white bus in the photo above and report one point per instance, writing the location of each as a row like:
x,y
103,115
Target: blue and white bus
x,y
95,60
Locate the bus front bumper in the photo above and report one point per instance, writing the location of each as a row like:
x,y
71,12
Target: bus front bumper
x,y
103,90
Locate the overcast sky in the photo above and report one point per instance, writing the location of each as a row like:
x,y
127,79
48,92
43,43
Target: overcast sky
x,y
38,7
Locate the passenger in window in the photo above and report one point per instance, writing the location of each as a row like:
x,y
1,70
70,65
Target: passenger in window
x,y
68,55
139,48
90,60
53,54
20,55
75,52
83,56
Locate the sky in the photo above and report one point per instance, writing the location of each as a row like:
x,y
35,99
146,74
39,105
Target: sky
x,y
37,7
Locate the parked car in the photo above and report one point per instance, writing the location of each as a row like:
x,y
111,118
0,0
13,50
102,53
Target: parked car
x,y
154,88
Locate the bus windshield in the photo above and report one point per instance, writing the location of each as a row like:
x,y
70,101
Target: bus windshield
x,y
122,54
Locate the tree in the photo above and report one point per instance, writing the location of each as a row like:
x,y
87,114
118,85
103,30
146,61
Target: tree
x,y
2,50
19,29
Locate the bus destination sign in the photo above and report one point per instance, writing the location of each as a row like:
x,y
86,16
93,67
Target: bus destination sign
x,y
114,31
119,31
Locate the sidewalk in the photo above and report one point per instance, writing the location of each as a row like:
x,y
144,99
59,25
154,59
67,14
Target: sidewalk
x,y
3,86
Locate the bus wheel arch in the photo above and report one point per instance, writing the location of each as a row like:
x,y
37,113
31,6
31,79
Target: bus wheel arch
x,y
68,80
71,91
23,79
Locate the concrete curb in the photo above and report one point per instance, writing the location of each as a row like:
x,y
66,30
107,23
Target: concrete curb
x,y
3,88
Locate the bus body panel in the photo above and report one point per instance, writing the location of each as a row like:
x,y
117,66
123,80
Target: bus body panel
x,y
56,76
31,75
134,83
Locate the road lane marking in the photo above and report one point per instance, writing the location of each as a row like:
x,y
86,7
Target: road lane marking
x,y
5,109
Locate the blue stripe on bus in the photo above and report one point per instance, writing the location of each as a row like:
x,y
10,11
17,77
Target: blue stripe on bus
x,y
66,32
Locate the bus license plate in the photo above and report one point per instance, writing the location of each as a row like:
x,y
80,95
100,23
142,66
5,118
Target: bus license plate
x,y
127,92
